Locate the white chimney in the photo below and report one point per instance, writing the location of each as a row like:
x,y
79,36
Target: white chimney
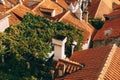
x,y
53,13
59,47
74,43
78,13
2,1
71,8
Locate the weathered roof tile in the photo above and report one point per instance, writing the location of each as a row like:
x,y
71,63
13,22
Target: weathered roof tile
x,y
98,61
112,27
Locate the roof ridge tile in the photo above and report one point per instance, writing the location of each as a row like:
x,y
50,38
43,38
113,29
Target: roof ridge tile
x,y
107,62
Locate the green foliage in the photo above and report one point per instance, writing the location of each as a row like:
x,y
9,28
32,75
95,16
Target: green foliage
x,y
30,41
96,22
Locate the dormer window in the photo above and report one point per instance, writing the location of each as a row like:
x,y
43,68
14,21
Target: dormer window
x,y
67,66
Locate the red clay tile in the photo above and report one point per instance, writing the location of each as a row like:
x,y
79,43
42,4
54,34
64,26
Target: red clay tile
x,y
94,60
87,29
113,25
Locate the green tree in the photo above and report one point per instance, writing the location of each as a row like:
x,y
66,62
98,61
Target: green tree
x,y
25,47
97,23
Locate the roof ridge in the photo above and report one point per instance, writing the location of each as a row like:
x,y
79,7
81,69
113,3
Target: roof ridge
x,y
107,62
64,15
8,11
38,5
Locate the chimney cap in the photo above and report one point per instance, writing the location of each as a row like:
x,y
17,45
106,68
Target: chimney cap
x,y
60,37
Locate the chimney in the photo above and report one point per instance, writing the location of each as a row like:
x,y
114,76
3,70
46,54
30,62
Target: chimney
x,y
85,15
2,2
78,13
59,47
53,13
74,43
71,8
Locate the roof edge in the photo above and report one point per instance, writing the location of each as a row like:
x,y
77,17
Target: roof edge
x,y
97,8
107,62
38,5
8,11
64,16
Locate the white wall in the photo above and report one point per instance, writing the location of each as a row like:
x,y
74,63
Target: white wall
x,y
59,49
4,23
87,44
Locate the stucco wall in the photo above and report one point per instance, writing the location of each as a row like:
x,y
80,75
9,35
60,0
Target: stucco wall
x,y
4,23
87,44
111,41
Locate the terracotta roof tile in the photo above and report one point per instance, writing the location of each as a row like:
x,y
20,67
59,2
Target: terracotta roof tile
x,y
112,25
71,66
70,1
82,25
62,3
117,7
93,8
113,72
31,3
19,10
2,9
3,16
14,1
13,20
95,60
50,5
114,13
7,4
100,7
116,1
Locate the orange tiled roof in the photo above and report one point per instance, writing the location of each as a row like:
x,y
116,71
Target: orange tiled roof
x,y
14,1
116,1
117,7
113,72
50,5
13,20
114,13
82,25
93,8
113,25
19,10
62,3
2,8
7,4
100,7
98,61
69,63
31,3
70,1
3,16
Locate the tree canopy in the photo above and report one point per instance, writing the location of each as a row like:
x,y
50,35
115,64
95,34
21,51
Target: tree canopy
x,y
24,47
97,23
